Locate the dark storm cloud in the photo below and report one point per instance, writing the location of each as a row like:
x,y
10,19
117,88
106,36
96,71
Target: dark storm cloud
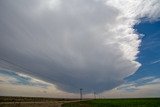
x,y
70,43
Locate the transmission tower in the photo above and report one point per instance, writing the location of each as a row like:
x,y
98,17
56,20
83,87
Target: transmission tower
x,y
81,93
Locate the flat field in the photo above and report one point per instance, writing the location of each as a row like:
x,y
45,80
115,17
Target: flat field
x,y
61,102
33,101
138,102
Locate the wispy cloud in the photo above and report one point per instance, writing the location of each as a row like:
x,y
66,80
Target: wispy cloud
x,y
155,62
144,87
134,85
16,84
14,78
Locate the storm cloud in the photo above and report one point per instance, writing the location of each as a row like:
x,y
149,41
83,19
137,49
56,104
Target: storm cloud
x,y
89,44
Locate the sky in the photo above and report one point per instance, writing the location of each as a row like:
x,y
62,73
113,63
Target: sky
x,y
53,48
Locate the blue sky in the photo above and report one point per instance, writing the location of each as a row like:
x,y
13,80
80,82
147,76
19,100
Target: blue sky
x,y
149,55
53,48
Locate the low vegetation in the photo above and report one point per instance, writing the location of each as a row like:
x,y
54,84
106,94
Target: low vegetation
x,y
58,102
142,102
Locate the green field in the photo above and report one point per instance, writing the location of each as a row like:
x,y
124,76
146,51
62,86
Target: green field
x,y
148,102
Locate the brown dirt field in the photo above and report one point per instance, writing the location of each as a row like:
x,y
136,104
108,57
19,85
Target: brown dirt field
x,y
33,102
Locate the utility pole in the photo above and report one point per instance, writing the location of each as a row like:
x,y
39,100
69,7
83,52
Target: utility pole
x,y
81,93
94,95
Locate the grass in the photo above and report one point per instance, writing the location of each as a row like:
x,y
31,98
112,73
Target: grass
x,y
142,102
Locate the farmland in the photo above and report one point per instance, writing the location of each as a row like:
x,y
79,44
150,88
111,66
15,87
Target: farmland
x,y
141,102
33,101
66,102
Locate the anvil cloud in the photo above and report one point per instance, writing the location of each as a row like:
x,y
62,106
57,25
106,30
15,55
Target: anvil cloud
x,y
89,44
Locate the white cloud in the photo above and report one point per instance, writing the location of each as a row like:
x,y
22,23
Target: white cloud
x,y
88,44
10,77
144,87
137,9
16,84
154,62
